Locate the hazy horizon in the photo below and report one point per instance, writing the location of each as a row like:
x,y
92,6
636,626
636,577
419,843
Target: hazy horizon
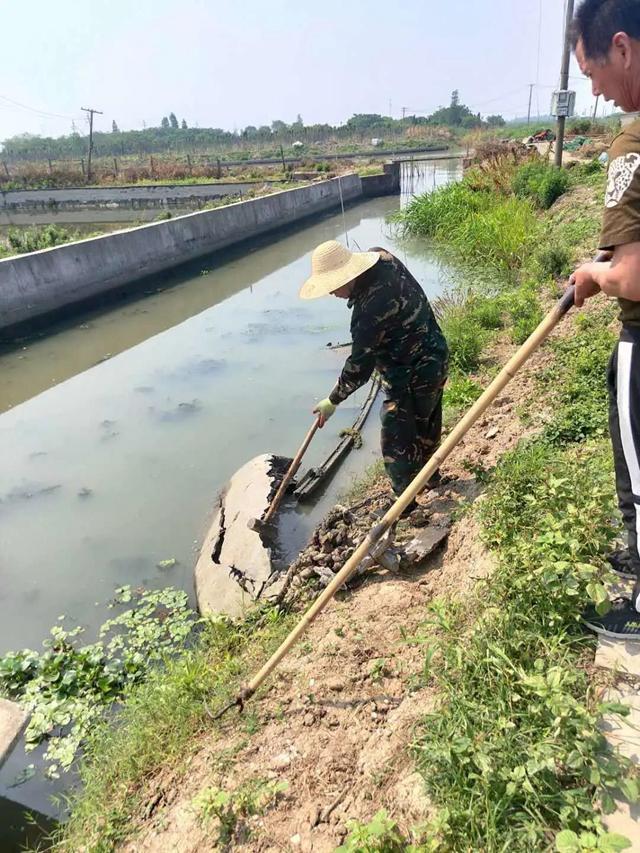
x,y
220,64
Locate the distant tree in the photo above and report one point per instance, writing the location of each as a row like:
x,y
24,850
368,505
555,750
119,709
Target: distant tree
x,y
364,121
114,127
496,121
264,131
452,115
299,119
471,121
173,121
184,125
278,126
165,123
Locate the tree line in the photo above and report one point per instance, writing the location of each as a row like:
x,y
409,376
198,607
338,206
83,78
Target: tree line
x,y
173,136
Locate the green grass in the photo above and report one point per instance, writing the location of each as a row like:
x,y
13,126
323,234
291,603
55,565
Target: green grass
x,y
158,728
540,182
577,383
477,227
514,754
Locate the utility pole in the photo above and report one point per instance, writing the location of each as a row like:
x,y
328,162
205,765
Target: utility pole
x,y
531,85
404,112
564,80
595,109
91,112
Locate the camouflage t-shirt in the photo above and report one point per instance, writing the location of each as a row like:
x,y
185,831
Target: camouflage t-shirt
x,y
621,219
393,329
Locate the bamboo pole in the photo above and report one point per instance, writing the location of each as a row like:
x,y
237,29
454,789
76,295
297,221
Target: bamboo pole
x,y
275,503
414,488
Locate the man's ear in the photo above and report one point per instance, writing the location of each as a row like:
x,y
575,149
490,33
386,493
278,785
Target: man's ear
x,y
621,44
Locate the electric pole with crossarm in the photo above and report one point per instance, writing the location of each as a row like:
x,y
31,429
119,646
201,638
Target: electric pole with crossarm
x,y
91,111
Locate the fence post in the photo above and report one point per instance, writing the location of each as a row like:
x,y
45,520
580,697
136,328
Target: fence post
x,y
50,166
189,165
6,169
82,166
219,172
115,167
151,165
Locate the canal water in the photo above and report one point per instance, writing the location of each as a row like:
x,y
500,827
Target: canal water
x,y
119,429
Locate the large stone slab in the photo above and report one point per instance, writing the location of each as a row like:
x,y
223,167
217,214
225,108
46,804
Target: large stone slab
x,y
13,719
235,563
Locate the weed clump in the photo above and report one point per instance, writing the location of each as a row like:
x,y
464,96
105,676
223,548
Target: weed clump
x,y
540,182
35,239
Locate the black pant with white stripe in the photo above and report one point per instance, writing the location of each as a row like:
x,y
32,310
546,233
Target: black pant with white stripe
x,y
624,426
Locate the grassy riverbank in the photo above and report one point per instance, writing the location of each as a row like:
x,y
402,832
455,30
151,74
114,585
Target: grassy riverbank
x,y
508,746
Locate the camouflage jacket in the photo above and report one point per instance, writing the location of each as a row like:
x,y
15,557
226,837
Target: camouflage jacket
x,y
393,329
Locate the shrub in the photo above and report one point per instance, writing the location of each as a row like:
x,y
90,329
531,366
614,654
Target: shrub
x,y
580,126
35,239
540,182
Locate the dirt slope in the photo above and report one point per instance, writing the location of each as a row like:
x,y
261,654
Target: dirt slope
x,y
337,721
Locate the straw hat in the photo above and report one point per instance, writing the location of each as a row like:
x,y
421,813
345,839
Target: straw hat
x,y
333,266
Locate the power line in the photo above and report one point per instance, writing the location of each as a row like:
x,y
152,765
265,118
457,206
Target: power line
x,y
43,113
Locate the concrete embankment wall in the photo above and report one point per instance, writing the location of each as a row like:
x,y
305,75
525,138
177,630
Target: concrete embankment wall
x,y
162,195
39,283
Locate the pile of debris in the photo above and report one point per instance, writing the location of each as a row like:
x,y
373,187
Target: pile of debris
x,y
333,542
344,528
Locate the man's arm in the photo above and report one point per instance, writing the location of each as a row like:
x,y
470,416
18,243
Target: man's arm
x,y
359,366
619,277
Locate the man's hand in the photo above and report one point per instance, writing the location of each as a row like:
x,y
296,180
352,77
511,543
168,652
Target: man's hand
x,y
585,284
324,410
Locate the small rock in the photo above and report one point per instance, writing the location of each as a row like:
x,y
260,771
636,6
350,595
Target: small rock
x,y
336,684
295,840
492,432
308,719
281,762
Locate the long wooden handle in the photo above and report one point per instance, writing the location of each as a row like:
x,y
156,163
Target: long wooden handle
x,y
417,484
275,503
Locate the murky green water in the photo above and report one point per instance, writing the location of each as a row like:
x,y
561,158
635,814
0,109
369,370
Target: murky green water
x,y
107,469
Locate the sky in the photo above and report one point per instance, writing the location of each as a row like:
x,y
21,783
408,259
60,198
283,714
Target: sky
x,y
231,63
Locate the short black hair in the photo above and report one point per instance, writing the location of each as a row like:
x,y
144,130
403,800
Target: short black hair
x,y
597,21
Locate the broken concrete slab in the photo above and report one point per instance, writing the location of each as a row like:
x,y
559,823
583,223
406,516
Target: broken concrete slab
x,y
426,541
13,719
235,563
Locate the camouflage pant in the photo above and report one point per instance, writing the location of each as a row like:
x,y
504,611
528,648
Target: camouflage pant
x,y
411,430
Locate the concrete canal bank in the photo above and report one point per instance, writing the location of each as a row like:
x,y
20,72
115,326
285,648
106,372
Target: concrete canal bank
x,y
40,283
133,197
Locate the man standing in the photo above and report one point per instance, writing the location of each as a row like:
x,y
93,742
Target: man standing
x,y
393,330
606,40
